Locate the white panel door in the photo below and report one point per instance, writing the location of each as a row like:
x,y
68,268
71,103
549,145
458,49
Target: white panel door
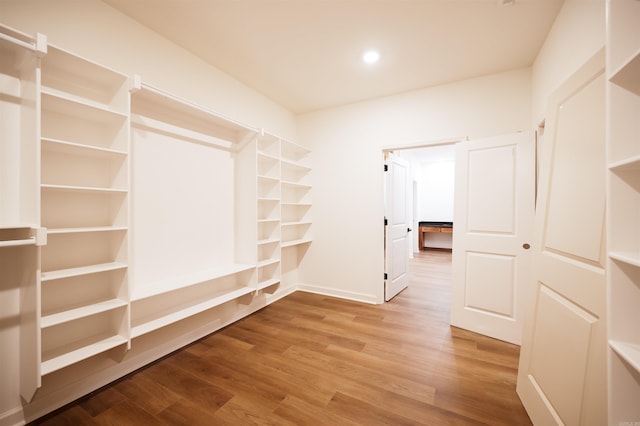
x,y
492,230
562,371
397,229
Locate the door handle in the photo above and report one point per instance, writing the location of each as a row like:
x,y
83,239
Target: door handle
x,y
409,229
526,246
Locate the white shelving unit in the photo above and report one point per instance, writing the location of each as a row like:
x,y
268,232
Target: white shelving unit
x,y
200,271
623,204
268,172
84,192
129,213
296,188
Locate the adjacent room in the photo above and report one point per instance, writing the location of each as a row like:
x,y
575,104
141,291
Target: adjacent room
x,y
320,212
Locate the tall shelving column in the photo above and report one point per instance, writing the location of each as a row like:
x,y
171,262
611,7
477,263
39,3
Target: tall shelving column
x,y
268,208
296,188
623,204
84,206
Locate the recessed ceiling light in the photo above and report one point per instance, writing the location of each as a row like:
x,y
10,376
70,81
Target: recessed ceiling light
x,y
371,56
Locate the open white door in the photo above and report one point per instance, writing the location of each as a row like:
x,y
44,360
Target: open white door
x,y
492,230
562,371
397,225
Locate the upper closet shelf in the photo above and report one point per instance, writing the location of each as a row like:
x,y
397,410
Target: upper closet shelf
x,y
627,75
156,109
23,41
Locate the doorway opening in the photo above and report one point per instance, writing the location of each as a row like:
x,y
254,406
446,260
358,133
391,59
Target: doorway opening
x,y
418,191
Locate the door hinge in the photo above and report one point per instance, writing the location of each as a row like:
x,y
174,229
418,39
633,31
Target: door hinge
x,y
386,168
385,276
386,222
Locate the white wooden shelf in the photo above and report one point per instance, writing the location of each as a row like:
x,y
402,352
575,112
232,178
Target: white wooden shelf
x,y
627,75
629,164
50,320
78,351
294,243
623,202
630,352
271,179
289,204
268,220
77,107
296,185
89,229
268,283
184,281
73,148
269,241
154,103
305,223
74,188
295,166
631,258
268,262
69,99
159,320
84,270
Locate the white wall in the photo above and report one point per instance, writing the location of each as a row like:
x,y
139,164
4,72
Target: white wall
x,y
346,257
576,35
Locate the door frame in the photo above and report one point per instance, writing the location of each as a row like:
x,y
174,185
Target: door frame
x,y
393,148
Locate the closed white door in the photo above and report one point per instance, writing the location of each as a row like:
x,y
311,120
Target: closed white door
x,y
562,371
492,230
397,225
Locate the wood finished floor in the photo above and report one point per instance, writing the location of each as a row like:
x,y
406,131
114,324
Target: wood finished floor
x,y
316,360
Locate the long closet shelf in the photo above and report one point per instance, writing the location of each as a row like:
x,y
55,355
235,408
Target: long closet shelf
x,y
74,148
628,164
50,320
78,107
626,76
83,270
184,281
630,352
187,114
268,283
294,243
89,229
78,351
74,188
631,258
185,311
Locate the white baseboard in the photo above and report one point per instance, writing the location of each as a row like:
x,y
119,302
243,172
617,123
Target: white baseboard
x,y
341,294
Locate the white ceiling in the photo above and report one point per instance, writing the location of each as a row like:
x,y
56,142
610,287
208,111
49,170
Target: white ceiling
x,y
306,54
